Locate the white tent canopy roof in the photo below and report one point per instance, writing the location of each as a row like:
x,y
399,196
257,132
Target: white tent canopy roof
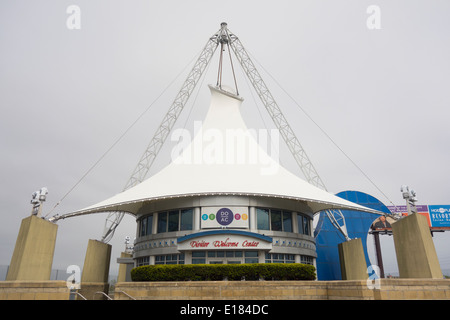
x,y
224,158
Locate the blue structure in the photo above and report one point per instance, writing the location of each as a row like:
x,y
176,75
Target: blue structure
x,y
328,237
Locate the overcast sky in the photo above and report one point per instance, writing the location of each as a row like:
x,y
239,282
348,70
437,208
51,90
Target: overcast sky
x,y
67,95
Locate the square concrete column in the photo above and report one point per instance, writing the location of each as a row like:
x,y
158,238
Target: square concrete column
x,y
414,247
33,254
94,277
352,260
126,263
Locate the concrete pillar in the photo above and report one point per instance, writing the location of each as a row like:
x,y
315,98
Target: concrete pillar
x,y
352,260
155,223
414,247
33,254
94,277
126,263
252,219
197,218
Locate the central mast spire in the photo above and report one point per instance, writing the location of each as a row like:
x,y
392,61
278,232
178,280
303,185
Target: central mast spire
x,y
224,40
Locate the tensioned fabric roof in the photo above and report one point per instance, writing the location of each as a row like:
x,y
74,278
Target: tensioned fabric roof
x,y
224,158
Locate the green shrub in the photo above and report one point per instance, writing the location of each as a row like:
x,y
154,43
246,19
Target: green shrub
x,y
218,272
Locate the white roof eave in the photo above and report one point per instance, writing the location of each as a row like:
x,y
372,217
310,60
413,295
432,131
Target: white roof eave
x,y
132,206
187,180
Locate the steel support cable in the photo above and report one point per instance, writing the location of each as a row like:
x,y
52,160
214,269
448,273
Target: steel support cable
x,y
194,101
285,130
324,132
262,118
164,129
171,116
219,72
121,136
277,116
231,62
333,215
118,216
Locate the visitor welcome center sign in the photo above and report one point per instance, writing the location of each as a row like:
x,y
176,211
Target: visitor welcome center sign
x,y
212,240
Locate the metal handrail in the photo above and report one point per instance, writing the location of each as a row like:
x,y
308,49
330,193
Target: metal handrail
x,y
120,291
108,297
75,292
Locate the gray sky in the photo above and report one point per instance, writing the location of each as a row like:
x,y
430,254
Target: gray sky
x,y
67,95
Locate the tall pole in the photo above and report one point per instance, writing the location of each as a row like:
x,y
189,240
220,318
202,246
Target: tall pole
x,y
376,236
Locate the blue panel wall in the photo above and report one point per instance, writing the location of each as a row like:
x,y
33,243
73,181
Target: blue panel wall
x,y
328,238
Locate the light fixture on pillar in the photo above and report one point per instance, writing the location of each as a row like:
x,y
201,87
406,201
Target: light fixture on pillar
x,y
410,197
37,198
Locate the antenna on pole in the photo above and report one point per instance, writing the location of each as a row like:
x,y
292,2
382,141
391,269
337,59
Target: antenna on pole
x,y
37,200
410,197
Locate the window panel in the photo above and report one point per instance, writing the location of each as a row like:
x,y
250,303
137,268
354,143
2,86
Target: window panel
x,y
170,259
198,257
306,259
198,261
251,254
280,258
275,219
143,228
197,254
186,219
287,221
306,225
143,261
173,220
262,218
162,222
300,224
149,224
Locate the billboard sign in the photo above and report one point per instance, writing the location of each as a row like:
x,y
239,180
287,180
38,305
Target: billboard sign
x,y
382,223
439,215
220,217
403,210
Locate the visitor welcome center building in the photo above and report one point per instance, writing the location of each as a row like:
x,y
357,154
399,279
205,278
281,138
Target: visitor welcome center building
x,y
229,203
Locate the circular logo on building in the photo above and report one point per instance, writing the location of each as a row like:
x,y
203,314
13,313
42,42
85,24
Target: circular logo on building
x,y
224,216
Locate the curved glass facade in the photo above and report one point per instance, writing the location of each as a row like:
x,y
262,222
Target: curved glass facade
x,y
229,233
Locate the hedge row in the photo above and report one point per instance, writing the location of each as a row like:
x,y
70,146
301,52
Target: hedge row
x,y
218,272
